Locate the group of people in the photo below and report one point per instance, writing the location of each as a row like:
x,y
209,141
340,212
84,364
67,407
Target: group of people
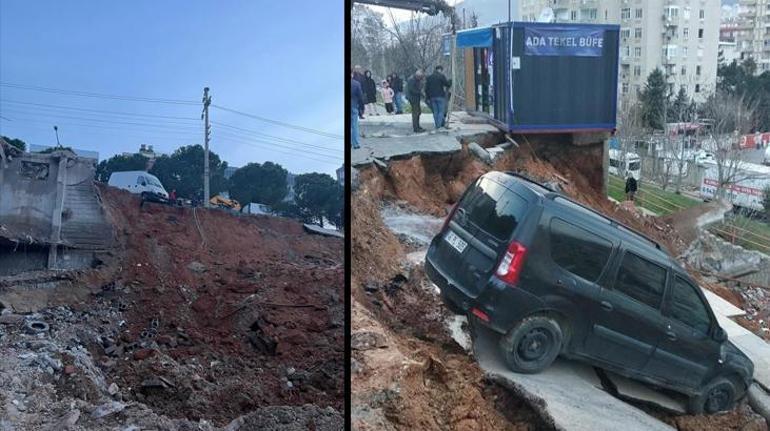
x,y
363,97
434,87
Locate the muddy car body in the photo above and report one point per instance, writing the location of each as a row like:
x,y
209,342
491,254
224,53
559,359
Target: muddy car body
x,y
555,277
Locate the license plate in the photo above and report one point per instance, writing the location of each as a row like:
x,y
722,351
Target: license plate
x,y
455,241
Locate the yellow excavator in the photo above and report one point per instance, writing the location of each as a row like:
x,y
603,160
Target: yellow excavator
x,y
223,202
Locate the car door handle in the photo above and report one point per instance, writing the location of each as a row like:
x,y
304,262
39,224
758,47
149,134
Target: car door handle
x,y
671,335
607,306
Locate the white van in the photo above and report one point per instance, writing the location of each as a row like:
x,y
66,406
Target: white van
x,y
139,182
621,163
767,155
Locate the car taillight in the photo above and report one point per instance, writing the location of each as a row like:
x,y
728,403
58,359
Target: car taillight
x,y
510,265
449,217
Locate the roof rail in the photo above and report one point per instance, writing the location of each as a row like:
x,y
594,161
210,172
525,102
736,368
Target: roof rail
x,y
526,178
612,221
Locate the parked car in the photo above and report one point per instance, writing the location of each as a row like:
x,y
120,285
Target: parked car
x,y
555,277
141,183
766,159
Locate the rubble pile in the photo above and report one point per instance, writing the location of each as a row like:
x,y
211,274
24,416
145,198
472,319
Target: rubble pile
x,y
200,319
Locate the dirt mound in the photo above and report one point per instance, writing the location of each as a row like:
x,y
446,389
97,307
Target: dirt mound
x,y
206,315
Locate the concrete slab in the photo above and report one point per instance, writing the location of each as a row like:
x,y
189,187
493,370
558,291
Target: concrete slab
x,y
568,393
391,136
637,391
318,230
722,306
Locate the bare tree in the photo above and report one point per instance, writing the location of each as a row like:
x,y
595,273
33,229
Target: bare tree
x,y
630,130
730,116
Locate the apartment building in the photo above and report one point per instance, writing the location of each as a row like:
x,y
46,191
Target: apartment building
x,y
681,37
753,35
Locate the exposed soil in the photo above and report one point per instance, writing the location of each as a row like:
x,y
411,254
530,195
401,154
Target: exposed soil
x,y
416,376
205,315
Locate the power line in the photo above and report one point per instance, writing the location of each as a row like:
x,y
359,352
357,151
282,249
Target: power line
x,y
267,144
276,138
182,126
100,111
281,123
96,95
179,133
297,151
334,163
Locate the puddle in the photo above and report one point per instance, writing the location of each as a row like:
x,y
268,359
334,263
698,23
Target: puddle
x,y
418,229
458,329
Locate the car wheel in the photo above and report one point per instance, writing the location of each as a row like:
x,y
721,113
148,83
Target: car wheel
x,y
717,396
532,345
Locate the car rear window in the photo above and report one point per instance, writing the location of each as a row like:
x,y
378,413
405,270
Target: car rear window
x,y
493,208
578,250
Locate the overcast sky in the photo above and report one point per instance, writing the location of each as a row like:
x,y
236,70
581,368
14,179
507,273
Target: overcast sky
x,y
281,60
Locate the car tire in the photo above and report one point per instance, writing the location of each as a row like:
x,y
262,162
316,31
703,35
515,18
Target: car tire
x,y
717,396
532,345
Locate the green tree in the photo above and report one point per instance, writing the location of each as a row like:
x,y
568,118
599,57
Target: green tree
x,y
18,143
654,99
318,196
680,106
183,171
265,183
119,163
59,148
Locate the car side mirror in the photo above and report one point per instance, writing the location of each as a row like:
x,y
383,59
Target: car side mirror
x,y
720,336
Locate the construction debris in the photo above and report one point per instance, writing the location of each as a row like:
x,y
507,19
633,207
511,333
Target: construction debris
x,y
162,334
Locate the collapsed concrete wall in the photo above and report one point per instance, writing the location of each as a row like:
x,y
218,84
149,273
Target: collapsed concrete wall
x,y
713,254
50,212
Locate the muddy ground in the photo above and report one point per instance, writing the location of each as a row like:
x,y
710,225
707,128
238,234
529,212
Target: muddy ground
x,y
408,373
196,319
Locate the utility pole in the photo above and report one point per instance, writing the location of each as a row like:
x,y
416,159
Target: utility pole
x,y
206,132
56,129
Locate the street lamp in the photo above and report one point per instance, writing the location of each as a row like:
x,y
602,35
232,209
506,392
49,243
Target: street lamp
x,y
56,129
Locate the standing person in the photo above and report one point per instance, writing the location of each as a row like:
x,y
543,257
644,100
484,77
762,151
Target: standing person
x,y
172,197
631,187
413,94
397,84
387,96
370,93
356,103
435,93
358,75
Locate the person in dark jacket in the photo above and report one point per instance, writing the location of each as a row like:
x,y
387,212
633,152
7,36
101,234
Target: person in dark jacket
x,y
414,89
397,84
631,187
358,75
356,103
435,94
370,93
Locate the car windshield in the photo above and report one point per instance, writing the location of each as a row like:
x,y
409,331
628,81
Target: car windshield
x,y
633,166
153,181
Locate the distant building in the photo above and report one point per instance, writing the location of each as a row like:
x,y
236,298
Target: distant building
x,y
146,151
753,37
678,36
229,171
87,154
341,175
256,208
728,52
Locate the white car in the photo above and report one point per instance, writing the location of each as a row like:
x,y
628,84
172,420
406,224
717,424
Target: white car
x,y
141,183
703,158
767,156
